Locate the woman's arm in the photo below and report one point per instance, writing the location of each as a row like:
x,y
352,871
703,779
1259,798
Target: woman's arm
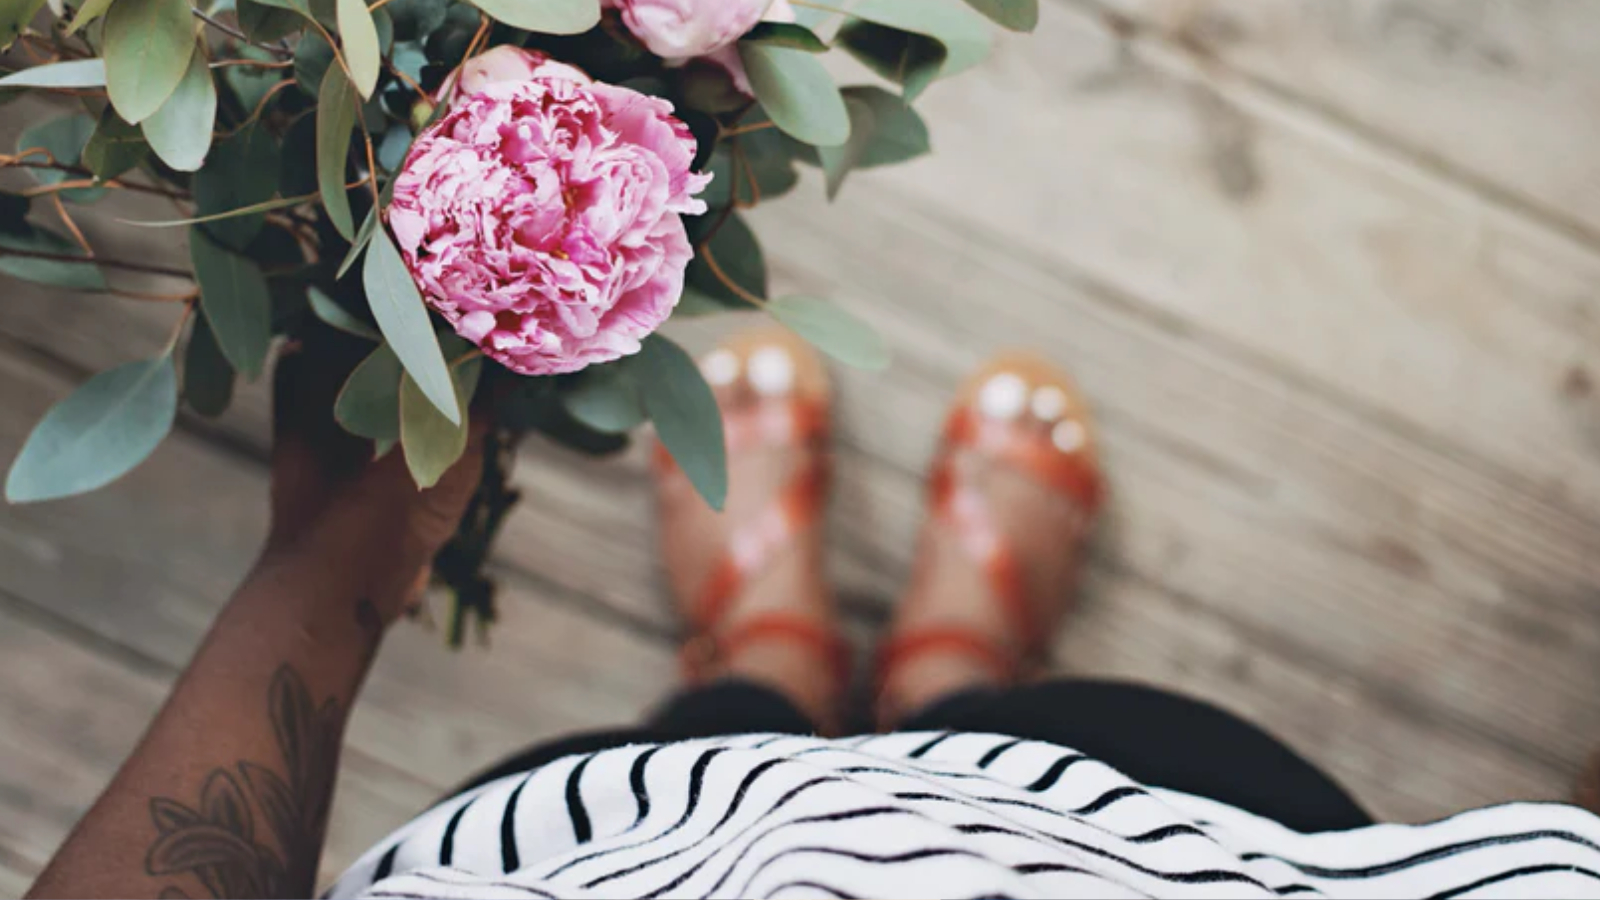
x,y
227,794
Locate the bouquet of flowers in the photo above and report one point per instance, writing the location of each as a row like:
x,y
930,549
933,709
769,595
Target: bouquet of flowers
x,y
505,197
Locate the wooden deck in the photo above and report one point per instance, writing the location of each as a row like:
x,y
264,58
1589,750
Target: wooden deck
x,y
1330,272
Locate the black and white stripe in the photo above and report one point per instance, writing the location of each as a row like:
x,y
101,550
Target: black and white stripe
x,y
947,815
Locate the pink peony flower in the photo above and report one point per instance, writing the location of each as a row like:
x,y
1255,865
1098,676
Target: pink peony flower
x,y
679,29
728,57
543,219
504,63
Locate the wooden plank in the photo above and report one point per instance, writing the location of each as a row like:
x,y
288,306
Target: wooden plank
x,y
1390,558
1196,200
1496,94
71,714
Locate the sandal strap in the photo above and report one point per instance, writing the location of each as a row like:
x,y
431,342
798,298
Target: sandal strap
x,y
1072,474
953,640
703,654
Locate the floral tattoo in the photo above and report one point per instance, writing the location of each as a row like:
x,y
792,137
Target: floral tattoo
x,y
221,843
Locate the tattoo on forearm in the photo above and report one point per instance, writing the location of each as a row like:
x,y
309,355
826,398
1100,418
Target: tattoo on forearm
x,y
221,844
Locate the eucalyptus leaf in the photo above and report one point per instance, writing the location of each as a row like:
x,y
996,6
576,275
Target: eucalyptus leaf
x,y
898,132
253,209
77,73
147,50
207,375
359,245
106,427
606,399
797,92
369,404
753,168
336,316
359,36
544,16
337,106
88,12
180,131
393,148
738,254
14,213
685,413
115,147
239,174
833,330
786,34
432,443
84,276
252,84
15,16
908,59
312,58
295,176
416,19
1017,15
234,295
64,138
264,23
838,161
965,34
397,306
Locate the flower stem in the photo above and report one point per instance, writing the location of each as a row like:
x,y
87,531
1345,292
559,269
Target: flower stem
x,y
236,34
729,283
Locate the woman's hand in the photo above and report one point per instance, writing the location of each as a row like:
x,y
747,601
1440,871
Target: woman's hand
x,y
334,505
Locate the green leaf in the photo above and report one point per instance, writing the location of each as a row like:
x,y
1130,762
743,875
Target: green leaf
x,y
684,410
297,6
397,306
838,161
1017,15
264,23
147,50
253,209
331,313
180,131
239,174
416,19
115,147
207,374
898,135
797,92
884,129
738,255
433,443
14,213
833,330
606,399
337,106
15,16
359,245
910,60
77,73
95,436
88,12
64,137
766,168
544,16
234,295
84,276
786,34
965,34
251,84
359,35
312,58
369,404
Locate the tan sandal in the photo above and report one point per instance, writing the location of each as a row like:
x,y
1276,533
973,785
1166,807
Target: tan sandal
x,y
780,367
1062,459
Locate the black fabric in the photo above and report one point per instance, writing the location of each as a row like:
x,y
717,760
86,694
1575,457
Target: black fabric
x,y
1161,739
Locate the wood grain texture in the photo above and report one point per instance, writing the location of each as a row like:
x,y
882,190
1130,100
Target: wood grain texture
x,y
1494,93
1343,349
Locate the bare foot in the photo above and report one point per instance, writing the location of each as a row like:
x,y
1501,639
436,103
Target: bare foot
x,y
767,545
994,508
